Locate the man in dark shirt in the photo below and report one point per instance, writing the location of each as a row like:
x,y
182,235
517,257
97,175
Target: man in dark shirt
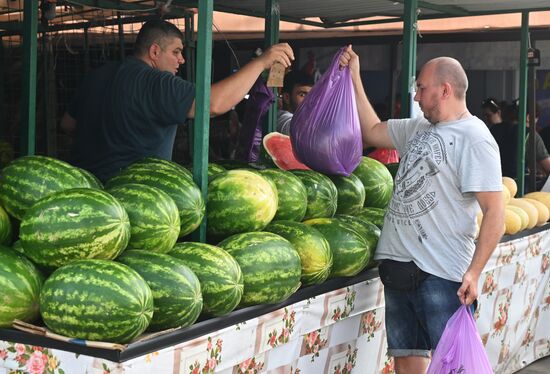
x,y
124,112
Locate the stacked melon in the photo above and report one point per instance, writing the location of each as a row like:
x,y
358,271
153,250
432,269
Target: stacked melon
x,y
525,212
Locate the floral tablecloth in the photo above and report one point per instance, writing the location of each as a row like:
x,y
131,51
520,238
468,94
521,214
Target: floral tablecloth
x,y
339,332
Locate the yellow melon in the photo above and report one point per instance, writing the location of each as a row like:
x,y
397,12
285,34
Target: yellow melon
x,y
512,221
505,194
529,208
543,197
522,215
511,185
544,212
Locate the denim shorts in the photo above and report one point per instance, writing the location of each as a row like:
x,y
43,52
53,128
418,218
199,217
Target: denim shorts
x,y
415,320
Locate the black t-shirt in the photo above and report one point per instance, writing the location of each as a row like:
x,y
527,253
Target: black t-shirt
x,y
125,112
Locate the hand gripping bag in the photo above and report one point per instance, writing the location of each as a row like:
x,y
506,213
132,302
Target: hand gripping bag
x,y
325,130
460,350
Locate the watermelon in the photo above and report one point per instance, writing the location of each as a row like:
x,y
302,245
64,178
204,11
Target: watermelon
x,y
369,231
322,196
177,297
271,266
291,193
349,248
351,193
213,170
92,179
74,224
377,180
96,300
239,201
219,273
312,247
279,149
373,215
154,216
174,180
5,227
20,282
393,168
28,179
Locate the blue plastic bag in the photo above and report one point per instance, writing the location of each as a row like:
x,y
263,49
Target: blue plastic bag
x,y
460,349
325,130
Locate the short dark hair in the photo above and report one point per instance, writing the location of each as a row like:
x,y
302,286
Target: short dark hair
x,y
155,31
296,77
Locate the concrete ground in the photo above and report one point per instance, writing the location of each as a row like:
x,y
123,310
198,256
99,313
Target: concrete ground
x,y
541,366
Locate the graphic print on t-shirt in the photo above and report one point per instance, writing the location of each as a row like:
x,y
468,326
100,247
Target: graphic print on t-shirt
x,y
413,196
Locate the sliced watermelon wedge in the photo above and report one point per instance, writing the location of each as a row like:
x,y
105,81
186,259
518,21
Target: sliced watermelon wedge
x,y
279,148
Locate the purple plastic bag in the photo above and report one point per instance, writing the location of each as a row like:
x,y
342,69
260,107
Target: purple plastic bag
x,y
460,349
250,137
325,130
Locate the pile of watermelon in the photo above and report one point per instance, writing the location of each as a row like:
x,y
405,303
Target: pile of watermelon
x,y
109,263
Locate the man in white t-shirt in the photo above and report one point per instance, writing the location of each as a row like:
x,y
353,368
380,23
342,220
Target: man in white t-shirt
x,y
296,86
450,168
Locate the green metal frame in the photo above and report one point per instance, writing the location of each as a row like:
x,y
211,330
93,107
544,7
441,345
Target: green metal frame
x,y
272,19
202,104
28,91
408,64
520,171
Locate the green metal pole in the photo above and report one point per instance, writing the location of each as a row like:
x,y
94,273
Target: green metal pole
x,y
190,66
520,157
408,63
121,44
3,102
202,104
28,90
272,18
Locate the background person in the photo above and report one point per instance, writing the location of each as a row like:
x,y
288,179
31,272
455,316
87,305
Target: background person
x,y
296,86
449,169
130,110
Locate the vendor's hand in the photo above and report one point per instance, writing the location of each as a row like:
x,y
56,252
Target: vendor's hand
x,y
350,58
467,293
281,53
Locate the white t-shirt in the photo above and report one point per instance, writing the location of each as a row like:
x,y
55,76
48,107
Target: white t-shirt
x,y
431,216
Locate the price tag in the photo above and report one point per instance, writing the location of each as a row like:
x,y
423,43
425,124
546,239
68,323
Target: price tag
x,y
276,75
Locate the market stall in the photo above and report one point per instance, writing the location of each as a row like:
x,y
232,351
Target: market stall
x,y
336,327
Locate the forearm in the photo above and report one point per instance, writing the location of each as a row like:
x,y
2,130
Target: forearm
x,y
230,91
367,116
490,233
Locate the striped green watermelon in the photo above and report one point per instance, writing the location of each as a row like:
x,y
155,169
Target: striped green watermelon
x,y
177,297
92,179
322,195
368,231
74,224
373,215
377,180
154,216
291,193
171,178
28,179
20,283
351,193
312,247
271,266
213,170
219,273
239,201
96,300
349,248
5,227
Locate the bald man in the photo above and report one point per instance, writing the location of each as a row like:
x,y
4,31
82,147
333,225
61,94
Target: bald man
x,y
450,167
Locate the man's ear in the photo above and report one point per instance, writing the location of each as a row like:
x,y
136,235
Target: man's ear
x,y
154,51
447,90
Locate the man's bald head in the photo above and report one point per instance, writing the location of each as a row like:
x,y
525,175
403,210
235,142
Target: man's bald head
x,y
447,69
